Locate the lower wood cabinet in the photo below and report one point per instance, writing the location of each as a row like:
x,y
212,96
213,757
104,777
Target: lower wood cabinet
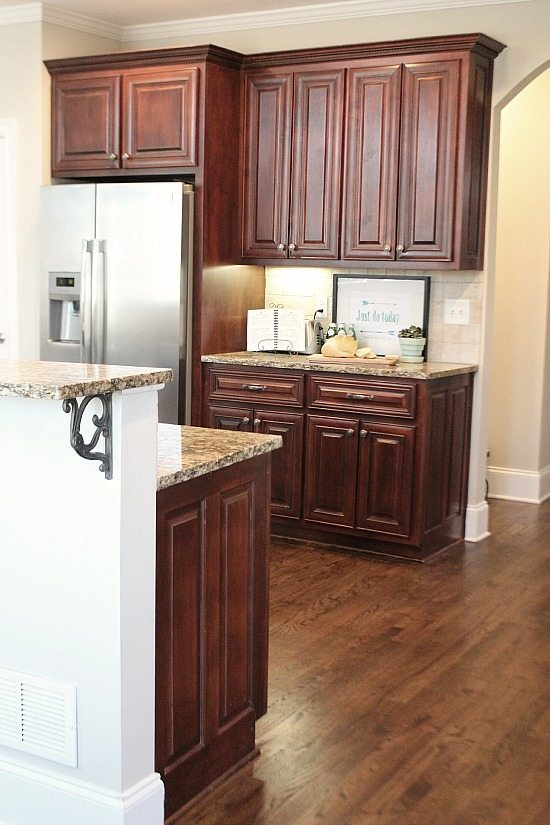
x,y
372,463
211,625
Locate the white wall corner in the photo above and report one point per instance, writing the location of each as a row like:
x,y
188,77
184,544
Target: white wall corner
x,y
519,485
477,522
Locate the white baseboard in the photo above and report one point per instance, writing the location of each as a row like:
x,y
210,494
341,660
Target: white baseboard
x,y
519,485
31,796
477,522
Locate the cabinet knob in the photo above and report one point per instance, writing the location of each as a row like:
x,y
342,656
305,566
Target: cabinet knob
x,y
257,422
125,156
349,432
363,433
387,248
291,247
280,247
246,420
400,248
2,338
112,156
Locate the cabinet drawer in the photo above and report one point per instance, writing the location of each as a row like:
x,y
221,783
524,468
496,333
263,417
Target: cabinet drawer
x,y
362,395
256,386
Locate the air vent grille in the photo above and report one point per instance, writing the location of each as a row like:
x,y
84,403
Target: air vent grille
x,y
38,716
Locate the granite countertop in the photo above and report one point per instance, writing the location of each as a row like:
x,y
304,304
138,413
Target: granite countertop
x,y
59,380
363,366
187,452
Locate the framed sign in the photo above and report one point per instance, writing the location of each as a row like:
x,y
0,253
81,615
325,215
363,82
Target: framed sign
x,y
379,306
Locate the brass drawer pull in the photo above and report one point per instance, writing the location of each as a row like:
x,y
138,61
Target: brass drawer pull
x,y
255,387
357,396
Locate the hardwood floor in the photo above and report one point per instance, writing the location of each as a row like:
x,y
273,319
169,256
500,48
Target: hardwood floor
x,y
404,694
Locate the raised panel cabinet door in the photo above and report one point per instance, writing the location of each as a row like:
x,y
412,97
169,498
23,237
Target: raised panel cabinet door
x,y
286,463
159,120
427,196
385,480
85,122
330,470
316,164
371,163
230,418
266,189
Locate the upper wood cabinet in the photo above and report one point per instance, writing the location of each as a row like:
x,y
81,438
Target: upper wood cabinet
x,y
293,133
125,120
415,137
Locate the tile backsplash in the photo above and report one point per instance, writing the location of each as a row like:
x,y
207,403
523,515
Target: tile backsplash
x,y
296,288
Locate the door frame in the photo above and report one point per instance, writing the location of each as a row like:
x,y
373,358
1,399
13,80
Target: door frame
x,y
8,244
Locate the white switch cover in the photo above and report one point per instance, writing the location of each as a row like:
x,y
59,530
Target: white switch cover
x,y
457,311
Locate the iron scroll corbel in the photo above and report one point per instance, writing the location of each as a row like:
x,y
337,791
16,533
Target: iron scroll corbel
x,y
102,423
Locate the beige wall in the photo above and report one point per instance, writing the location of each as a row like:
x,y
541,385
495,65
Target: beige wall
x,y
519,433
522,26
21,99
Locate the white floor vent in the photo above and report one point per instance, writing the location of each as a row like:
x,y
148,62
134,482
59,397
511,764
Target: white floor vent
x,y
38,717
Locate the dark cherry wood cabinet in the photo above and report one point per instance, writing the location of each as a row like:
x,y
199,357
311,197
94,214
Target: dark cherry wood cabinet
x,y
383,461
105,121
293,133
414,146
211,625
264,391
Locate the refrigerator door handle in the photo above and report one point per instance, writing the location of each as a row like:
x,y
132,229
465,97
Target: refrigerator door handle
x,y
86,301
98,302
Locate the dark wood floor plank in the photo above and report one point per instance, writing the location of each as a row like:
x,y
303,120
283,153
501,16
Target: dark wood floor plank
x,y
404,694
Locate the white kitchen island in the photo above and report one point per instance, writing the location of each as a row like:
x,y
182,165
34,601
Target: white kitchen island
x,y
77,609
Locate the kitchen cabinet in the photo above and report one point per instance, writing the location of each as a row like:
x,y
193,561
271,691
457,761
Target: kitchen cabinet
x,y
293,133
264,391
131,119
211,625
402,144
384,464
414,148
359,474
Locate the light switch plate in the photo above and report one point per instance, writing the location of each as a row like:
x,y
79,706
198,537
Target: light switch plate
x,y
457,311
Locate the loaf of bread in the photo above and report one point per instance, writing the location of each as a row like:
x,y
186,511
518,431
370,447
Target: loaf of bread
x,y
341,346
365,352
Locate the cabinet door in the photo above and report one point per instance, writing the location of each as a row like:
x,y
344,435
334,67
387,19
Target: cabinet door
x,y
428,161
85,122
286,463
211,626
268,125
371,164
330,470
230,418
316,163
385,480
159,121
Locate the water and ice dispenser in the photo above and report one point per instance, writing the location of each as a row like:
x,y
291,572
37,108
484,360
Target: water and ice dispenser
x,y
64,323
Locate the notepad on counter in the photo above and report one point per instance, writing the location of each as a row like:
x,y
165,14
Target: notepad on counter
x,y
275,330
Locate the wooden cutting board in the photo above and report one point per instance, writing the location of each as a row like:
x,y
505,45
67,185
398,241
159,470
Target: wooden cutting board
x,y
379,361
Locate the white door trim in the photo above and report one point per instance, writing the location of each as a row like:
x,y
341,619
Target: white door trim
x,y
8,241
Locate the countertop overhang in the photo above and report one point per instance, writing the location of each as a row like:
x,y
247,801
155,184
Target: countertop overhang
x,y
425,370
187,452
58,380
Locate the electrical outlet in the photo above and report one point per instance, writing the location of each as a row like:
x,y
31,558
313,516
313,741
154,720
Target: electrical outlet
x,y
321,302
457,311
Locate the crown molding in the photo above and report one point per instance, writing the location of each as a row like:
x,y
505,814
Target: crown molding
x,y
81,22
200,26
319,13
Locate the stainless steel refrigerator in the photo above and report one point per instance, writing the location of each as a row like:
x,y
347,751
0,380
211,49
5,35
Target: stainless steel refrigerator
x,y
116,279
